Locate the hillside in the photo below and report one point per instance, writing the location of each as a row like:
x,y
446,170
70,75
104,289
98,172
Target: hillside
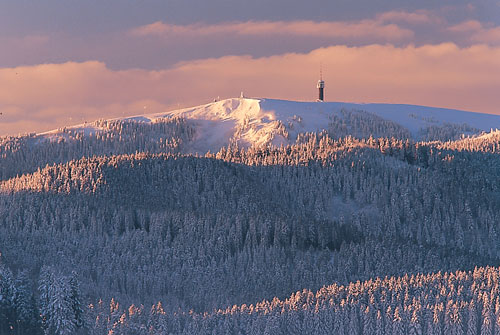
x,y
236,122
257,122
123,230
441,303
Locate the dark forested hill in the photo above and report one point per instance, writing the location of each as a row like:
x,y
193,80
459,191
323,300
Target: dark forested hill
x,y
159,242
27,153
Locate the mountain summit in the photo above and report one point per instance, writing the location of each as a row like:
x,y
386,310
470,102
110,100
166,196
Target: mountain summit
x,y
257,122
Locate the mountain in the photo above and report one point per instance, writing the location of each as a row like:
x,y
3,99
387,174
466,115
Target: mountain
x,y
238,122
117,227
258,122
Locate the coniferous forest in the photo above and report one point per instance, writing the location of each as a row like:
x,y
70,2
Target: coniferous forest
x,y
359,229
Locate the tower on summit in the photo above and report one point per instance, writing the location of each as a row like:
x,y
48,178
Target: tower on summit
x,y
321,86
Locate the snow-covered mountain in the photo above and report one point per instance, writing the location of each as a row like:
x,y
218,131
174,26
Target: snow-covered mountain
x,y
113,219
249,121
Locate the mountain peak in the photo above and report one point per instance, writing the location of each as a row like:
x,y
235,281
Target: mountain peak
x,y
261,121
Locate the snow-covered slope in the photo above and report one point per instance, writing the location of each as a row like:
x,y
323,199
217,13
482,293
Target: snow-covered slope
x,y
262,121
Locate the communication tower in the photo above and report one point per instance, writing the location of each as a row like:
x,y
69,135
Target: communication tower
x,y
321,86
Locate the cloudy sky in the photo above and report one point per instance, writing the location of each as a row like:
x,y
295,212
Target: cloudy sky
x,y
67,61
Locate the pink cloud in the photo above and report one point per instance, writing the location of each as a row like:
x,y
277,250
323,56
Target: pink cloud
x,y
478,32
44,97
466,26
364,28
490,36
417,17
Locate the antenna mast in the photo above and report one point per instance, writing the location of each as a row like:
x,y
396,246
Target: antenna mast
x,y
321,84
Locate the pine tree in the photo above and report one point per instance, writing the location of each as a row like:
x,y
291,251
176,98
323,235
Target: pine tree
x,y
377,326
472,321
76,302
27,318
415,327
368,321
8,293
486,316
62,315
56,306
397,325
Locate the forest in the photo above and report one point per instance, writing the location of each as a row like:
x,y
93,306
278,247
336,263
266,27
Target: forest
x,y
358,229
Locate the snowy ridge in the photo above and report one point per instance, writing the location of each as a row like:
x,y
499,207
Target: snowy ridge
x,y
248,121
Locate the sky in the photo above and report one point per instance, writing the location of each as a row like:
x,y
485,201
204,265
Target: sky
x,y
63,62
